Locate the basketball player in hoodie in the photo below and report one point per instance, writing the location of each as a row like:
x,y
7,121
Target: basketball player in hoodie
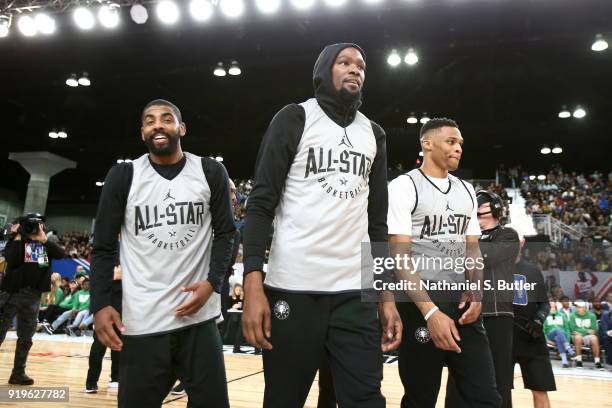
x,y
321,177
432,216
167,204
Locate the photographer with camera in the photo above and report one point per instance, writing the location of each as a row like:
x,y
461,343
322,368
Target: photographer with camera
x,y
27,276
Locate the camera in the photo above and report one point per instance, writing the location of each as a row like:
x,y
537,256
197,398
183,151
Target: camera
x,y
28,225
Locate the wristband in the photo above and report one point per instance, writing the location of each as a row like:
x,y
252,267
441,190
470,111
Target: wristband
x,y
431,312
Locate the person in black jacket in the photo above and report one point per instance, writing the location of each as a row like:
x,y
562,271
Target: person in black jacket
x,y
529,345
321,176
27,277
499,246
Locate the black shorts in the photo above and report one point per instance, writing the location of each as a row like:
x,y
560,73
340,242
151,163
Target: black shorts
x,y
537,373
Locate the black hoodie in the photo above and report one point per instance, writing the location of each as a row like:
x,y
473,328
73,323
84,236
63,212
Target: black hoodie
x,y
340,110
278,151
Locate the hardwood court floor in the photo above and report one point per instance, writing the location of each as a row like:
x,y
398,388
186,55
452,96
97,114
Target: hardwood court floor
x,y
63,363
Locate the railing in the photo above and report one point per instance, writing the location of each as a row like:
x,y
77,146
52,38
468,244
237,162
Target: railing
x,y
555,229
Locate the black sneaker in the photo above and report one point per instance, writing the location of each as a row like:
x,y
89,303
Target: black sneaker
x,y
48,328
599,366
578,364
69,331
20,379
91,388
565,365
178,390
77,332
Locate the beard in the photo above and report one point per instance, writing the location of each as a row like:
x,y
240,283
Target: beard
x,y
349,97
168,150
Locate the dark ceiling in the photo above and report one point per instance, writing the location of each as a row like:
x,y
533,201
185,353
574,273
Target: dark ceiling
x,y
501,68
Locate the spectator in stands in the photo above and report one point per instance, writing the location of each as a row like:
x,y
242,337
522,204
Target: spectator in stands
x,y
605,335
65,286
53,297
556,329
78,302
583,284
81,307
54,311
566,308
237,297
597,309
584,329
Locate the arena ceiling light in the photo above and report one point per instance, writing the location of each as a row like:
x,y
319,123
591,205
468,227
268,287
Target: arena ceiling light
x,y
335,3
412,119
421,153
541,177
600,43
579,112
268,6
532,177
232,8
545,150
425,118
303,4
234,69
219,158
411,57
5,24
72,81
44,24
139,14
109,15
99,183
83,18
84,79
201,10
62,134
53,134
219,70
394,59
564,113
167,12
557,150
27,26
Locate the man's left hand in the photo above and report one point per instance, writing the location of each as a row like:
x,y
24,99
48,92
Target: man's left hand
x,y
473,311
201,291
391,325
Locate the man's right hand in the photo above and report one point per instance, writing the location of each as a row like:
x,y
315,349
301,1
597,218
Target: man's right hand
x,y
443,332
105,321
256,316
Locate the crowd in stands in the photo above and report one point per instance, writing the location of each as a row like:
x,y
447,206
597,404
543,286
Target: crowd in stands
x,y
579,201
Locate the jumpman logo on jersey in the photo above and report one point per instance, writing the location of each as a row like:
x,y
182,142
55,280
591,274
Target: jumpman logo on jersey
x,y
345,141
448,207
168,195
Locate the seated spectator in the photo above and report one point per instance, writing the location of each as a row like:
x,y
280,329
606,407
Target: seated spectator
x,y
605,334
556,329
53,297
584,330
597,310
565,307
54,311
79,310
65,286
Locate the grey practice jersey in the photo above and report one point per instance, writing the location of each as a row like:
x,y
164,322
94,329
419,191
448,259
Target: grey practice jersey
x,y
321,219
437,213
166,241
